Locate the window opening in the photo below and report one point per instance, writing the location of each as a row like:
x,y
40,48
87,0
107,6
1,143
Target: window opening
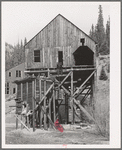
x,y
9,74
14,90
37,56
60,57
7,88
18,73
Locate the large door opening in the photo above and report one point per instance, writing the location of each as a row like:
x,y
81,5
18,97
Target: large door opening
x,y
60,57
84,56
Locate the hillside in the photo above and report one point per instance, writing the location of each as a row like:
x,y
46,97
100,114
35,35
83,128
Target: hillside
x,y
13,55
102,102
9,50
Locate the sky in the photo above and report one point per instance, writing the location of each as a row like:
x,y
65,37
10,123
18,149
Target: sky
x,y
26,19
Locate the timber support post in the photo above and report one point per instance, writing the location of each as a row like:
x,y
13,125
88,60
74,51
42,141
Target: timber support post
x,y
50,111
17,123
72,101
54,116
33,105
21,100
40,111
45,126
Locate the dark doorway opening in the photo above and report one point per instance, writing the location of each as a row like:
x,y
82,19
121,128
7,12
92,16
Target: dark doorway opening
x,y
60,57
84,56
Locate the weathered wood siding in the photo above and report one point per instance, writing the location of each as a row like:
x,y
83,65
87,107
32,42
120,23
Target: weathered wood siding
x,y
59,35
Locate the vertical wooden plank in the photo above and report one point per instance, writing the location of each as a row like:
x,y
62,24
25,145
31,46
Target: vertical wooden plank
x,y
27,118
33,105
50,111
35,100
40,39
21,91
66,108
48,35
27,102
61,31
64,59
54,33
70,56
40,93
54,115
22,100
45,127
59,37
48,75
17,123
35,90
72,104
43,57
27,92
94,81
50,58
64,34
21,123
51,34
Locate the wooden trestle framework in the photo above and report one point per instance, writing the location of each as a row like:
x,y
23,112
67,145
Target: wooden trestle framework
x,y
49,97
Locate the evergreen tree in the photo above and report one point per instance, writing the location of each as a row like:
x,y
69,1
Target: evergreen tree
x,y
100,35
92,33
104,50
100,28
25,41
103,75
108,34
21,45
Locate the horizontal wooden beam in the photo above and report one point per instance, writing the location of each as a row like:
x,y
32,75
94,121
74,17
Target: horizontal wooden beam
x,y
55,71
82,66
70,82
74,66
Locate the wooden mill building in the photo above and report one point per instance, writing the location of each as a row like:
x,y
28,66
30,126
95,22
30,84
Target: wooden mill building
x,y
60,68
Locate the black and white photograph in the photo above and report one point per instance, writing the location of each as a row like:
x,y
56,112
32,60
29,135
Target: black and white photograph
x,y
60,74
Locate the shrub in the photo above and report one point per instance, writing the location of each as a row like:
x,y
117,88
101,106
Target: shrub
x,y
103,75
108,68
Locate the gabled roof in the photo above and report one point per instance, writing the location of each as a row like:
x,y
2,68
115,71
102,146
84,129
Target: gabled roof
x,y
82,48
54,19
22,64
24,79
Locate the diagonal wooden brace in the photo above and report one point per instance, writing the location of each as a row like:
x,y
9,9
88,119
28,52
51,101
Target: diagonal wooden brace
x,y
87,114
48,117
22,122
80,88
64,79
64,88
45,95
84,110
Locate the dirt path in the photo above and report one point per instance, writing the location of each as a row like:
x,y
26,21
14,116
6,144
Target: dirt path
x,y
69,136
